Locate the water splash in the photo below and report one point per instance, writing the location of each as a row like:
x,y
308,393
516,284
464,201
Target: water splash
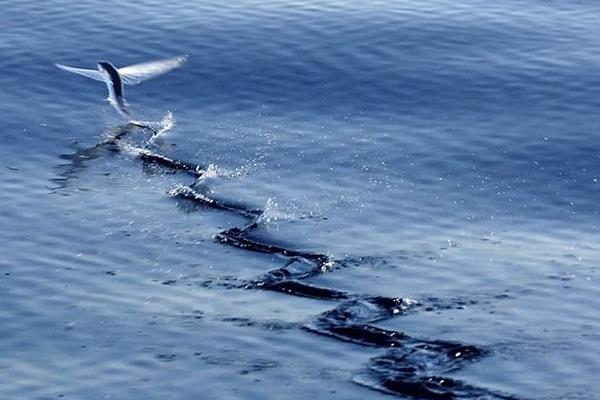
x,y
210,172
272,214
165,124
156,128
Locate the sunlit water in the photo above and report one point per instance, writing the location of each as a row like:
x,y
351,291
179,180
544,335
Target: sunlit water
x,y
444,149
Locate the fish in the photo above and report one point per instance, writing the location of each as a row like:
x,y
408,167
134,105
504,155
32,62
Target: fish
x,y
115,78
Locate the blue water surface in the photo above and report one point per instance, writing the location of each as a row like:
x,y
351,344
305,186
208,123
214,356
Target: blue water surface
x,y
446,148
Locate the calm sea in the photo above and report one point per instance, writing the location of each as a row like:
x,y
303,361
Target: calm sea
x,y
441,151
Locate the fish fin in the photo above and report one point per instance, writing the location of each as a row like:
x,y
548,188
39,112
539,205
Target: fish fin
x,y
88,73
137,73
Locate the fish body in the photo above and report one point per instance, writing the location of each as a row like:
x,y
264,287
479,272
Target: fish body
x,y
115,78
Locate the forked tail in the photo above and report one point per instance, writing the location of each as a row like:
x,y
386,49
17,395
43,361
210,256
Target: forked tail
x,y
156,128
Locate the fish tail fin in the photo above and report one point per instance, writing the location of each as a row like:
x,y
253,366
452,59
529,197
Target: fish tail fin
x,y
156,128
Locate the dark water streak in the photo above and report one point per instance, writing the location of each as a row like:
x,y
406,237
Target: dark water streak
x,y
414,366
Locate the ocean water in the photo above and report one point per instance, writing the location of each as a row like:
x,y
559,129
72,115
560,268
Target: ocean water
x,y
444,152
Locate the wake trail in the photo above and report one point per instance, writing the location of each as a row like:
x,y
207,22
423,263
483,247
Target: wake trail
x,y
412,366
